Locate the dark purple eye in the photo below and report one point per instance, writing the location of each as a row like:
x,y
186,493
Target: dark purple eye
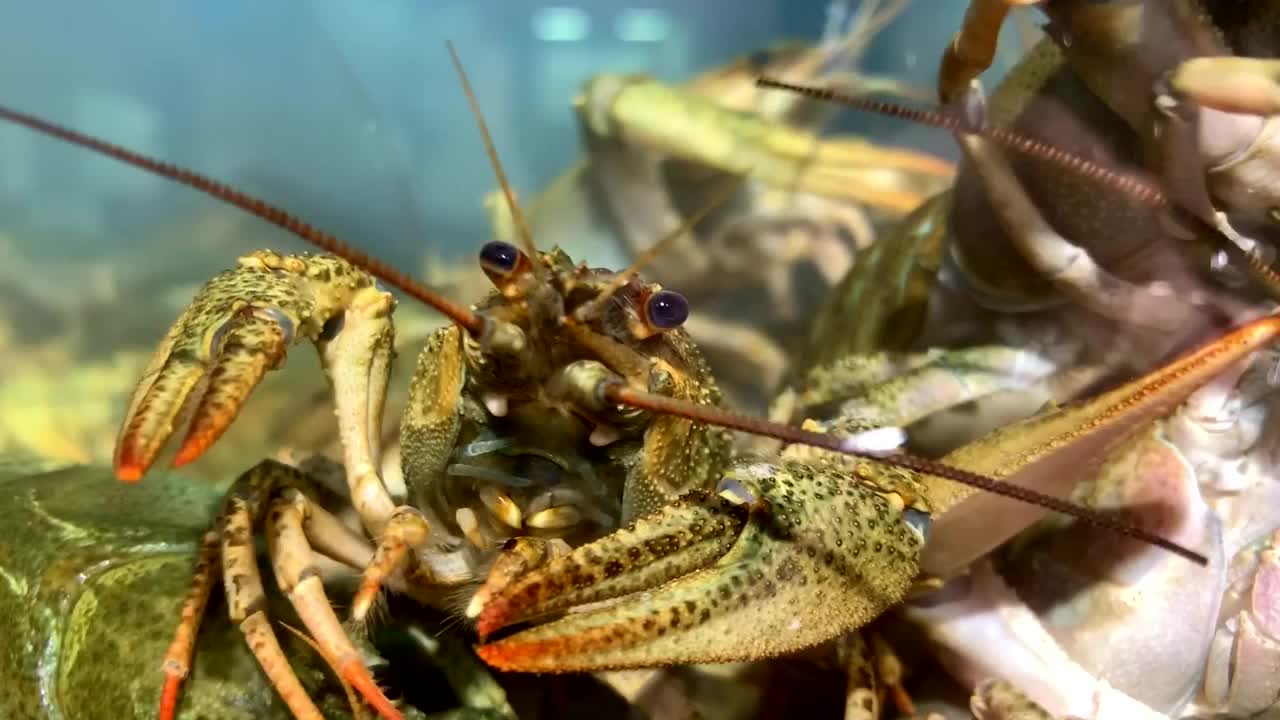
x,y
667,310
499,257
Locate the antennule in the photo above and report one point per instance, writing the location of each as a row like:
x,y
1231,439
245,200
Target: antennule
x,y
589,309
517,215
259,208
617,392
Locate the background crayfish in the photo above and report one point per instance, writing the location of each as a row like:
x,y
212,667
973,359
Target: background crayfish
x,y
1103,277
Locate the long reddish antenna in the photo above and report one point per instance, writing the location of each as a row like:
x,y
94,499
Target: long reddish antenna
x,y
617,392
1133,185
1136,187
613,391
259,208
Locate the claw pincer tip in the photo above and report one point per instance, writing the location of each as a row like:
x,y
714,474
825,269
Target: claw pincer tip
x,y
129,471
492,618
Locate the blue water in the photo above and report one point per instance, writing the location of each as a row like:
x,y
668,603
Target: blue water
x,y
346,112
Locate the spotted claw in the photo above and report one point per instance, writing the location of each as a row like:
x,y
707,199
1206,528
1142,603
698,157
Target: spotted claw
x,y
786,556
240,325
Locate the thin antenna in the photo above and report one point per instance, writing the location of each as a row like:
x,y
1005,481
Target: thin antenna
x,y
589,309
1134,186
617,392
522,227
276,216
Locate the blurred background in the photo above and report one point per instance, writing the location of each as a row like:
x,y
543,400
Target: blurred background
x,y
348,114
349,111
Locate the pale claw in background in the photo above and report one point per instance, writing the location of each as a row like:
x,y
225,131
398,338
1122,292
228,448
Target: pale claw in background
x,y
998,700
1240,676
984,613
1079,607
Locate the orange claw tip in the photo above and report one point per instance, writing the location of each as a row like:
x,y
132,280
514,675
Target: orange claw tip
x,y
129,473
128,467
193,448
500,657
512,655
492,618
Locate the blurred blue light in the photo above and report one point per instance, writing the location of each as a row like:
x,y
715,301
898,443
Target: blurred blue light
x,y
561,24
642,25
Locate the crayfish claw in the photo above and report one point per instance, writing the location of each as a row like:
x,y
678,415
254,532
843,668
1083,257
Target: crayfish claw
x,y
256,342
678,540
209,363
787,557
239,325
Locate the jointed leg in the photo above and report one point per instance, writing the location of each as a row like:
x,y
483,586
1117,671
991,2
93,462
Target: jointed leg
x,y
295,525
428,431
897,389
999,700
357,361
973,48
874,674
177,661
406,532
288,533
246,600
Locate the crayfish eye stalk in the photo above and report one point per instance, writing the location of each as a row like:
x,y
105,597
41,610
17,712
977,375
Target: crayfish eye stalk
x,y
507,268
